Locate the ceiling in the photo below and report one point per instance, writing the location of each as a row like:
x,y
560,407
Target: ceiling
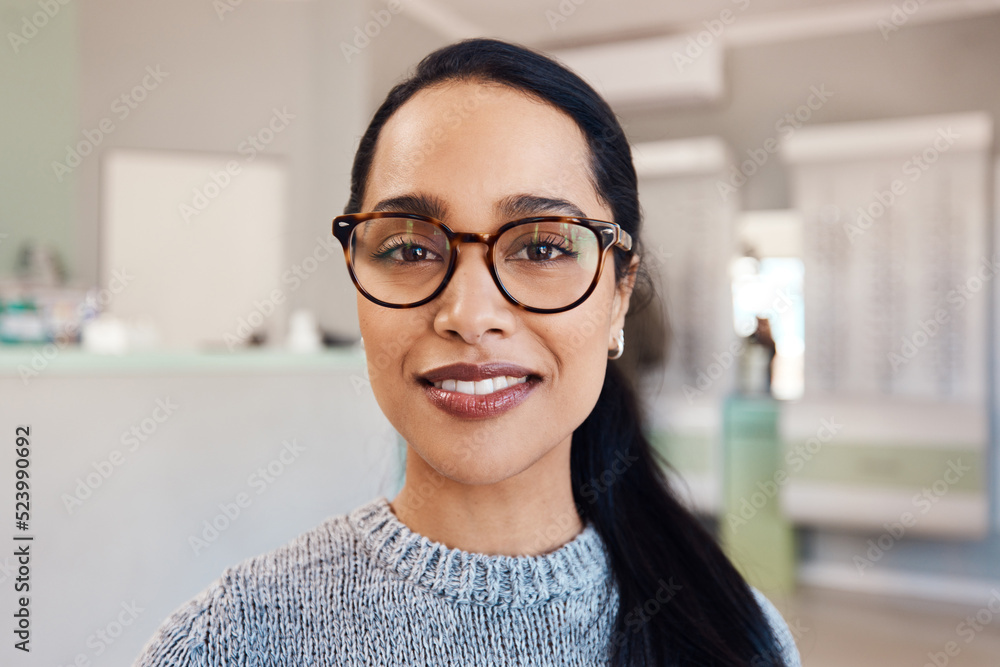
x,y
552,24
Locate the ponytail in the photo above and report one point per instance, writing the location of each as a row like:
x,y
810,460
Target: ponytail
x,y
681,602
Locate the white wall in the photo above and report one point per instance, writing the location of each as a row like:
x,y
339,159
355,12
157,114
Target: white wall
x,y
125,537
38,97
224,77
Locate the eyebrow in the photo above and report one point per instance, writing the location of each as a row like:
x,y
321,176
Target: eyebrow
x,y
510,207
414,203
518,206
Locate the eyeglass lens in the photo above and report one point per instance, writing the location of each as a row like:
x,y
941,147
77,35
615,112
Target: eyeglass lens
x,y
541,264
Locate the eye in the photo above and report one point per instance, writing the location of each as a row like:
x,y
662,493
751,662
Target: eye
x,y
541,251
403,250
546,248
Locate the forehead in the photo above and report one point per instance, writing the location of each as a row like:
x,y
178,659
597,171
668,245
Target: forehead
x,y
472,144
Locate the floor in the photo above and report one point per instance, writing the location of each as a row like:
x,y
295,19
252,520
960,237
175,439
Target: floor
x,y
836,629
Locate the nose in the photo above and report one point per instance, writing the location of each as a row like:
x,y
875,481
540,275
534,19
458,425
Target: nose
x,y
471,307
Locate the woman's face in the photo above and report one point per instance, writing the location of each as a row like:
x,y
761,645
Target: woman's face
x,y
472,149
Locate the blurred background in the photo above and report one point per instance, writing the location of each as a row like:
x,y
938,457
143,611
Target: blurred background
x,y
819,181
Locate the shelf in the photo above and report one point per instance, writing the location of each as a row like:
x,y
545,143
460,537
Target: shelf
x,y
38,360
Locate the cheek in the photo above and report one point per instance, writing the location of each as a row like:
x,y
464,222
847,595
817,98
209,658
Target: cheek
x,y
586,332
588,361
581,346
387,339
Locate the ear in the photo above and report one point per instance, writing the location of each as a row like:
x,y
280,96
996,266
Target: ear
x,y
619,307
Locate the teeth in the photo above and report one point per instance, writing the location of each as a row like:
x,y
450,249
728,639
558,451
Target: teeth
x,y
480,387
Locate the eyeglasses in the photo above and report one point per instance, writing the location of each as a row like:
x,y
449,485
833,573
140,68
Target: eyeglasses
x,y
545,264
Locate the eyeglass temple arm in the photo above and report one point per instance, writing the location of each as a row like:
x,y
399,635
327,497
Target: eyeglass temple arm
x,y
624,240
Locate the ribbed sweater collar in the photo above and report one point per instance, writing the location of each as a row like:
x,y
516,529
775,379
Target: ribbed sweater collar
x,y
477,578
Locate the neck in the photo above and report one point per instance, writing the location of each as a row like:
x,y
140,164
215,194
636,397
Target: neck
x,y
529,514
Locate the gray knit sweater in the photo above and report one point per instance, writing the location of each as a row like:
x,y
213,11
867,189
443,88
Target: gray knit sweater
x,y
363,589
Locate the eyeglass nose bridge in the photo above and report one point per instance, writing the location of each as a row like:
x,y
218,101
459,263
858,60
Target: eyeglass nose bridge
x,y
473,237
457,239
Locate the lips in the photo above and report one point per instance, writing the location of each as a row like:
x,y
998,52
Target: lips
x,y
478,391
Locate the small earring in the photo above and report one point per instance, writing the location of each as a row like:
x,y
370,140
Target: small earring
x,y
619,347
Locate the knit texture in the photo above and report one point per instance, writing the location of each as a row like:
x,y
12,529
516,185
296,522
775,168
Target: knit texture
x,y
363,589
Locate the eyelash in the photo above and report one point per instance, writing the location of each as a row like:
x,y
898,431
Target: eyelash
x,y
553,241
391,245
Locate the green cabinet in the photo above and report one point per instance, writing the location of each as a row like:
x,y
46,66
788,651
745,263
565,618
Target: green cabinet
x,y
754,533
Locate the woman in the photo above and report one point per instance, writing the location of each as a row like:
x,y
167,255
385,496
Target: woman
x,y
495,255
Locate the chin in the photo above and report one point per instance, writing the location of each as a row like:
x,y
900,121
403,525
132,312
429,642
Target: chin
x,y
478,468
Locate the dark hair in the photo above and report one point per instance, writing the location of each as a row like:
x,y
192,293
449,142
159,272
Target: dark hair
x,y
710,616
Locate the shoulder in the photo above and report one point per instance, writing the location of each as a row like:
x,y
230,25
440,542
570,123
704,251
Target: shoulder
x,y
180,639
779,627
245,589
328,545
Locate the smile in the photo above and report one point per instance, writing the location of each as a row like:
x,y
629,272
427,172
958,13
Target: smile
x,y
478,391
480,387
